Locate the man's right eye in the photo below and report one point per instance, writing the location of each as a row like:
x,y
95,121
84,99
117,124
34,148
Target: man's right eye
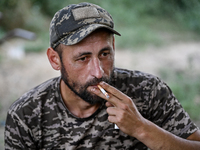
x,y
82,59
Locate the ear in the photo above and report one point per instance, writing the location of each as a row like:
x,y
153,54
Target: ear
x,y
54,58
113,42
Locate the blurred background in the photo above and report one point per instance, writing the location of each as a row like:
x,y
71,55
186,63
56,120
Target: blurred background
x,y
159,37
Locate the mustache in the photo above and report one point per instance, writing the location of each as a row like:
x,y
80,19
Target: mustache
x,y
96,81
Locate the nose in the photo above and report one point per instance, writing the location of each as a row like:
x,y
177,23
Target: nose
x,y
96,68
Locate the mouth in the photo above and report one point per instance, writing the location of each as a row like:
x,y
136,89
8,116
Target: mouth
x,y
94,86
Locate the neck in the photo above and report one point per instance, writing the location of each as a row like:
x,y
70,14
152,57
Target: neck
x,y
75,104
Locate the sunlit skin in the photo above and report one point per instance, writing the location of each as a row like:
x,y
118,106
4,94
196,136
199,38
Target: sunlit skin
x,y
91,58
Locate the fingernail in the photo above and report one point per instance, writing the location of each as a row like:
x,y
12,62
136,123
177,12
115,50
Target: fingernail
x,y
93,89
102,83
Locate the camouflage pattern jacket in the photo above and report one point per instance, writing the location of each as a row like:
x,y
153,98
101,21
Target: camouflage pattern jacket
x,y
40,120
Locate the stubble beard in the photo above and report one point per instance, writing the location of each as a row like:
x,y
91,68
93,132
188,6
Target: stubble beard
x,y
81,90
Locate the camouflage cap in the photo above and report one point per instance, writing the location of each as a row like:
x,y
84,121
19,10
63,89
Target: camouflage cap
x,y
73,23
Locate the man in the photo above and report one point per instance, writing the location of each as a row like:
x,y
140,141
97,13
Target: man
x,y
70,112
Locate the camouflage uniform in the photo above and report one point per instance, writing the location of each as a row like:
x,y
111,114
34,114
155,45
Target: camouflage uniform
x,y
40,120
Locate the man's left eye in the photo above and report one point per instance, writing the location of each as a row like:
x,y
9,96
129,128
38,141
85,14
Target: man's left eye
x,y
104,54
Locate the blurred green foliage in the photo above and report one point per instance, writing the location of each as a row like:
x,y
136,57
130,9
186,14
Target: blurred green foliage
x,y
187,12
139,22
185,85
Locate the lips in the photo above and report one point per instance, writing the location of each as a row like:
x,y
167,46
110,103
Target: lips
x,y
94,86
94,82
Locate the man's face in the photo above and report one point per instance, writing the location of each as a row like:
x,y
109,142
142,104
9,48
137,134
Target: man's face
x,y
87,63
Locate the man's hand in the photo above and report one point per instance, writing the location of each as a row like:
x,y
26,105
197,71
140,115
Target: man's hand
x,y
123,112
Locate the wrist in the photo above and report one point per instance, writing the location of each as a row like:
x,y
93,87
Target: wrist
x,y
142,132
151,135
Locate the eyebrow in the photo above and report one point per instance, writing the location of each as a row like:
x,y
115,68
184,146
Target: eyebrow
x,y
106,48
80,54
89,53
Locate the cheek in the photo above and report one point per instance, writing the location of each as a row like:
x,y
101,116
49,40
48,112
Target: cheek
x,y
77,72
111,60
108,66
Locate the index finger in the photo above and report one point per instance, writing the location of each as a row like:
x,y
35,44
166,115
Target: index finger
x,y
103,91
112,99
115,92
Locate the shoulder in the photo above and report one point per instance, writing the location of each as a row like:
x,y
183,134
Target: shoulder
x,y
143,88
126,78
125,74
141,85
35,96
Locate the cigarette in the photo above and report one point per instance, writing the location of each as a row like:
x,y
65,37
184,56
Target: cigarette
x,y
103,91
116,127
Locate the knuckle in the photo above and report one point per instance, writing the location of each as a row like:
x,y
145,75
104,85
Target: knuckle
x,y
119,119
124,106
109,118
129,100
121,115
108,110
114,92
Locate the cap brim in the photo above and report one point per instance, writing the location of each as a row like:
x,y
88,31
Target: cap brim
x,y
76,36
